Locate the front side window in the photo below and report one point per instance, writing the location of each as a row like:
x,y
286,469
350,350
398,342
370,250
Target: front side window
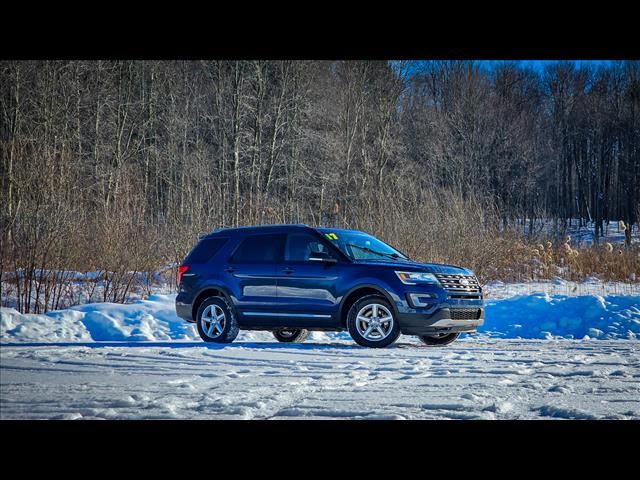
x,y
300,246
259,249
362,246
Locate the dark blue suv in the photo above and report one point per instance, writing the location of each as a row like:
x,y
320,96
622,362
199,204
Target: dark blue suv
x,y
291,279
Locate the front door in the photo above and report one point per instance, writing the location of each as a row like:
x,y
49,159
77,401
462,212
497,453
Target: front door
x,y
307,289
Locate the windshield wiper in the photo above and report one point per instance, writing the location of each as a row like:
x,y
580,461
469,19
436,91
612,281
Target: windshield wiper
x,y
395,256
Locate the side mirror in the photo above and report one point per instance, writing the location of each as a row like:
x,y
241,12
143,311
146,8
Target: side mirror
x,y
322,257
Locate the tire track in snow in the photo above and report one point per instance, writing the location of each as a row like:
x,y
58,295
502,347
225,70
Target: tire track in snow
x,y
470,379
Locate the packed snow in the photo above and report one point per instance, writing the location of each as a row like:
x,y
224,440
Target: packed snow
x,y
546,350
471,379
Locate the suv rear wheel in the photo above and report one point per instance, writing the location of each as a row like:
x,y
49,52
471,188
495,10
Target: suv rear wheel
x,y
216,321
290,335
442,339
371,322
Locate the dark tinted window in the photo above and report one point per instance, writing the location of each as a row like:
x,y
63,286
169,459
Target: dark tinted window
x,y
301,245
258,249
205,250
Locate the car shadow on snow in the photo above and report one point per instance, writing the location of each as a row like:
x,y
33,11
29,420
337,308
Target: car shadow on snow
x,y
210,346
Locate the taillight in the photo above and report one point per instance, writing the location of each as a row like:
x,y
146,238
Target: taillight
x,y
181,270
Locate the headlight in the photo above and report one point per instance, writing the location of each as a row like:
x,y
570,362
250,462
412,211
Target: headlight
x,y
413,278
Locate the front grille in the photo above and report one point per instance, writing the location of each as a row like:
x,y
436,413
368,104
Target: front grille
x,y
465,313
459,283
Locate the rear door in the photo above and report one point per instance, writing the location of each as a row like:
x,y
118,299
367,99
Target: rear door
x,y
250,273
307,290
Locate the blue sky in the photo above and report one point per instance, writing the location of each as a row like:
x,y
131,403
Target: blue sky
x,y
537,65
540,64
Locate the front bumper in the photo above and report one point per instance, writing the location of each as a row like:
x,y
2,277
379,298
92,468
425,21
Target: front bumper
x,y
439,321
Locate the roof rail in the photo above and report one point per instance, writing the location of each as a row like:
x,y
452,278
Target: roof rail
x,y
222,229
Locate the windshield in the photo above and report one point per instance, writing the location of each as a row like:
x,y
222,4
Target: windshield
x,y
361,246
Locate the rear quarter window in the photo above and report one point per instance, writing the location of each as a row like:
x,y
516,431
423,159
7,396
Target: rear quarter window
x,y
205,250
259,249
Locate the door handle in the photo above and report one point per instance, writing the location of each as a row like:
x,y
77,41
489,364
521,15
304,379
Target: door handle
x,y
287,270
229,269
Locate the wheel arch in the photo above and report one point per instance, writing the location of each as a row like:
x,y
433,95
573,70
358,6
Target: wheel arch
x,y
206,292
358,292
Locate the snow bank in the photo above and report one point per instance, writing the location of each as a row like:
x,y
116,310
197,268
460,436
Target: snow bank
x,y
538,315
59,326
542,315
153,319
557,286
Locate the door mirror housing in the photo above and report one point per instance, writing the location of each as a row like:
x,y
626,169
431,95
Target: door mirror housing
x,y
322,257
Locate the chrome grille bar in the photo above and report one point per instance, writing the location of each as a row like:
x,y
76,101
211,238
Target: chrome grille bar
x,y
459,283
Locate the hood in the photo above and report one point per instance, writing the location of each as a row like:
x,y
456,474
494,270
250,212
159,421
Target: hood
x,y
417,266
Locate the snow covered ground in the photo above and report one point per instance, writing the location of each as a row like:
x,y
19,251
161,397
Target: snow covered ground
x,y
472,379
547,350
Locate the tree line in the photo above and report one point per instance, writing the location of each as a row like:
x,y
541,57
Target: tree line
x,y
118,166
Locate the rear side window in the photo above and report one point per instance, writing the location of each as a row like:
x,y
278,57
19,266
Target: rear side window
x,y
259,249
205,250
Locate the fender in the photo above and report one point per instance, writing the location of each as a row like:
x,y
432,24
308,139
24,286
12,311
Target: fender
x,y
372,286
212,284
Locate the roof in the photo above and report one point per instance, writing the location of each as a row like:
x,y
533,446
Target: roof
x,y
278,227
269,227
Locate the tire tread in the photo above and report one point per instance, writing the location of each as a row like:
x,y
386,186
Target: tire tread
x,y
439,342
300,337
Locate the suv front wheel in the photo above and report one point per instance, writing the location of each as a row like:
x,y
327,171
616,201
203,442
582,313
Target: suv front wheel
x,y
216,321
371,322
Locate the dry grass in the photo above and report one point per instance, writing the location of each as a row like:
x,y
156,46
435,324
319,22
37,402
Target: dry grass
x,y
519,260
430,225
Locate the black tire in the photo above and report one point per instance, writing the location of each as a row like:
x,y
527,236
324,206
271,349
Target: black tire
x,y
291,335
393,332
440,340
229,325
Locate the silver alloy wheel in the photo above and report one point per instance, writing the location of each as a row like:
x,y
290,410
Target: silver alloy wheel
x,y
213,321
374,322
